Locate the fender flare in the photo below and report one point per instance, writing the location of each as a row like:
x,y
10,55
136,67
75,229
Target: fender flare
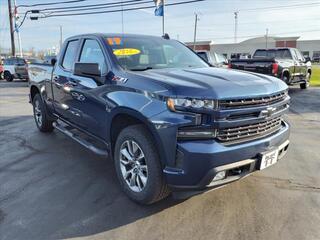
x,y
285,70
139,116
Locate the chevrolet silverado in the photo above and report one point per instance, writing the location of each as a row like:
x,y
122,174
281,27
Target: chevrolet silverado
x,y
169,121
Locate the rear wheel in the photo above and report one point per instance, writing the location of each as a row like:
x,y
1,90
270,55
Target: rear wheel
x,y
138,166
8,76
40,115
306,84
285,78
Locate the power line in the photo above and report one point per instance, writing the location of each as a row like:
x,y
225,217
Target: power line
x,y
94,8
119,10
50,3
90,5
280,7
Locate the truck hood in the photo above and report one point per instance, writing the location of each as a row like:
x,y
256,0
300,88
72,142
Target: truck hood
x,y
214,83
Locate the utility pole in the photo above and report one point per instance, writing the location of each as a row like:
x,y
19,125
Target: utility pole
x,y
163,29
60,43
13,47
195,30
267,31
235,26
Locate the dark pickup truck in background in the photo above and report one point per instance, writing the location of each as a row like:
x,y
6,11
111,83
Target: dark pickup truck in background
x,y
169,121
287,64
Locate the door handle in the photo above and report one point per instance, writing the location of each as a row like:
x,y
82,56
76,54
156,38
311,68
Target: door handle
x,y
56,82
73,83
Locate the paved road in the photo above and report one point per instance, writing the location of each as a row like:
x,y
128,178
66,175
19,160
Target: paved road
x,y
50,187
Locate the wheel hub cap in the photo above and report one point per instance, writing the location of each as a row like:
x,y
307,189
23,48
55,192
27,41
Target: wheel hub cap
x,y
133,165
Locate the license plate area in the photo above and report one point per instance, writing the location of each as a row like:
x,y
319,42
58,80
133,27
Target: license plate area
x,y
268,159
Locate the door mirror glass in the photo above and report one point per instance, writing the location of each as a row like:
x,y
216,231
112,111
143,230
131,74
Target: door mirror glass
x,y
87,70
307,59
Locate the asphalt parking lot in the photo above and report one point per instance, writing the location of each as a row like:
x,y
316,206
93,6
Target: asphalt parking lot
x,y
52,188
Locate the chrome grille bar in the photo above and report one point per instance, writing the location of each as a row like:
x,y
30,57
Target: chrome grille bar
x,y
248,102
249,131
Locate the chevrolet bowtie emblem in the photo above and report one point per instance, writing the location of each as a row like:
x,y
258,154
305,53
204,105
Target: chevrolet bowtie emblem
x,y
268,112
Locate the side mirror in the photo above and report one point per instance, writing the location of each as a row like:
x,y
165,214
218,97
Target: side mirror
x,y
307,59
87,69
53,61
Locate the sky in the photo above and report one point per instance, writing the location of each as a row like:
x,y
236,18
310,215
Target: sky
x,y
216,21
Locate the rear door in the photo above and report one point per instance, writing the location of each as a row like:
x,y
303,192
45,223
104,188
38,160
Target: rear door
x,y
302,64
60,80
297,69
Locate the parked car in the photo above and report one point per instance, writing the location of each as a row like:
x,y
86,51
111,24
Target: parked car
x,y
316,59
48,59
287,64
214,59
168,120
1,70
33,60
15,68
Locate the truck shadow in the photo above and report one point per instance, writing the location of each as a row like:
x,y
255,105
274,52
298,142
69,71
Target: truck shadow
x,y
58,189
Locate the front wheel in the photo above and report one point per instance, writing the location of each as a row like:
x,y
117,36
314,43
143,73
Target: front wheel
x,y
8,76
138,166
40,115
306,84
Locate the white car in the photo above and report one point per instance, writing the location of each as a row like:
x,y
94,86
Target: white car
x,y
213,58
15,68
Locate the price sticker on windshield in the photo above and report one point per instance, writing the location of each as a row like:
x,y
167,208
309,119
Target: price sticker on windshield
x,y
126,52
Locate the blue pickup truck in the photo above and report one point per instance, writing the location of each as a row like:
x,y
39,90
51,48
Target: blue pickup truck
x,y
169,121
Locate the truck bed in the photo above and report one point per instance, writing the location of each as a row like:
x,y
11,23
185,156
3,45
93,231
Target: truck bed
x,y
40,72
258,65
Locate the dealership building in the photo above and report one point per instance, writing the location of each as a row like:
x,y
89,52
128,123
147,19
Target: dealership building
x,y
309,48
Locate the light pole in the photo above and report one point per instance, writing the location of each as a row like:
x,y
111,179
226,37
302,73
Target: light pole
x,y
16,17
235,26
195,30
267,31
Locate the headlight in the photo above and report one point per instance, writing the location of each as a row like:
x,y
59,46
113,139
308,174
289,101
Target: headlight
x,y
175,104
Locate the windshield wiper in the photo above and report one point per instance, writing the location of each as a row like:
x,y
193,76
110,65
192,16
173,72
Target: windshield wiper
x,y
141,69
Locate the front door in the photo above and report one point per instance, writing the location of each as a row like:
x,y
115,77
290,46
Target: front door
x,y
87,106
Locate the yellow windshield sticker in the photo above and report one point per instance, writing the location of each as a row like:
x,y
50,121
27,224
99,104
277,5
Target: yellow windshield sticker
x,y
126,52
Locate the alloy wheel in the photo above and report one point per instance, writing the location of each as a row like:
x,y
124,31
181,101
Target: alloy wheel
x,y
133,165
37,112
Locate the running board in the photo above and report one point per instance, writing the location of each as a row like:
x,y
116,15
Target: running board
x,y
80,140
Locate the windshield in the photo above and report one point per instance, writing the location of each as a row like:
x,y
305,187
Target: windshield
x,y
143,53
273,53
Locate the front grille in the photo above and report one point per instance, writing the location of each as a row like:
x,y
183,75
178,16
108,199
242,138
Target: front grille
x,y
249,102
248,132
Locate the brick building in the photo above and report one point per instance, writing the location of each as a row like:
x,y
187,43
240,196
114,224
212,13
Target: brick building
x,y
309,48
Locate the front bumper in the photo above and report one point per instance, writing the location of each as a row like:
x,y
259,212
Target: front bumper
x,y
200,161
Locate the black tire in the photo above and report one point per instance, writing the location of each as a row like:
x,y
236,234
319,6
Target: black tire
x,y
285,78
155,188
306,84
7,76
1,76
39,110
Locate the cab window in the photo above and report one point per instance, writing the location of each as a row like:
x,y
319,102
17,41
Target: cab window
x,y
69,56
92,53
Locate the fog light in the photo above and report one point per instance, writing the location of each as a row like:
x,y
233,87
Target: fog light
x,y
219,176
